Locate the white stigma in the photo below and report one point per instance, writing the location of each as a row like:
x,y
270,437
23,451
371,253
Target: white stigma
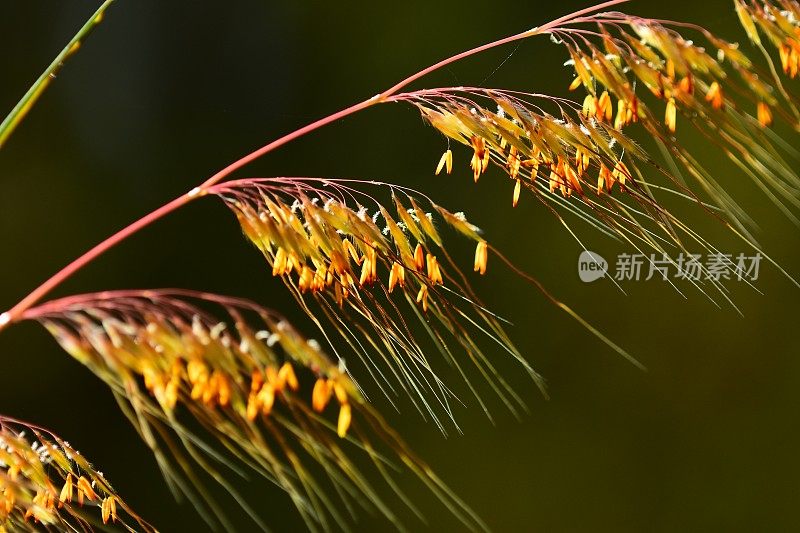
x,y
5,318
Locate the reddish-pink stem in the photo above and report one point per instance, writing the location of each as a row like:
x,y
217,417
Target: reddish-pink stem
x,y
18,310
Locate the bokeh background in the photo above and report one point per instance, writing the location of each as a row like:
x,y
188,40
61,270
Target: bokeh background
x,y
163,94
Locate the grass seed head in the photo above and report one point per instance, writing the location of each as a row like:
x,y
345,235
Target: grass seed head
x,y
45,483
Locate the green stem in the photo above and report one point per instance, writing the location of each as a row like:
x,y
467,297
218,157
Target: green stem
x,y
16,115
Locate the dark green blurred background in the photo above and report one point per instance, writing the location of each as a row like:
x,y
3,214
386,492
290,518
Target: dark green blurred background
x,y
163,94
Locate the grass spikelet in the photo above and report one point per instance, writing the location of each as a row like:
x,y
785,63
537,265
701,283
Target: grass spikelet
x,y
270,400
47,484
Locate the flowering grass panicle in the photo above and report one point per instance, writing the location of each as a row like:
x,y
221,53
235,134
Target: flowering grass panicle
x,y
582,157
268,396
714,86
353,259
45,484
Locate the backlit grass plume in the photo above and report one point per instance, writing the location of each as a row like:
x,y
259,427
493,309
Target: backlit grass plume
x,y
221,387
268,397
45,484
372,270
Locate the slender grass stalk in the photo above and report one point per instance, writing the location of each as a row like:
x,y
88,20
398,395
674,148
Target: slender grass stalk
x,y
37,294
20,110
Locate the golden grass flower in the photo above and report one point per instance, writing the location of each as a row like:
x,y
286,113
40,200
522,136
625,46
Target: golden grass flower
x,y
445,162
